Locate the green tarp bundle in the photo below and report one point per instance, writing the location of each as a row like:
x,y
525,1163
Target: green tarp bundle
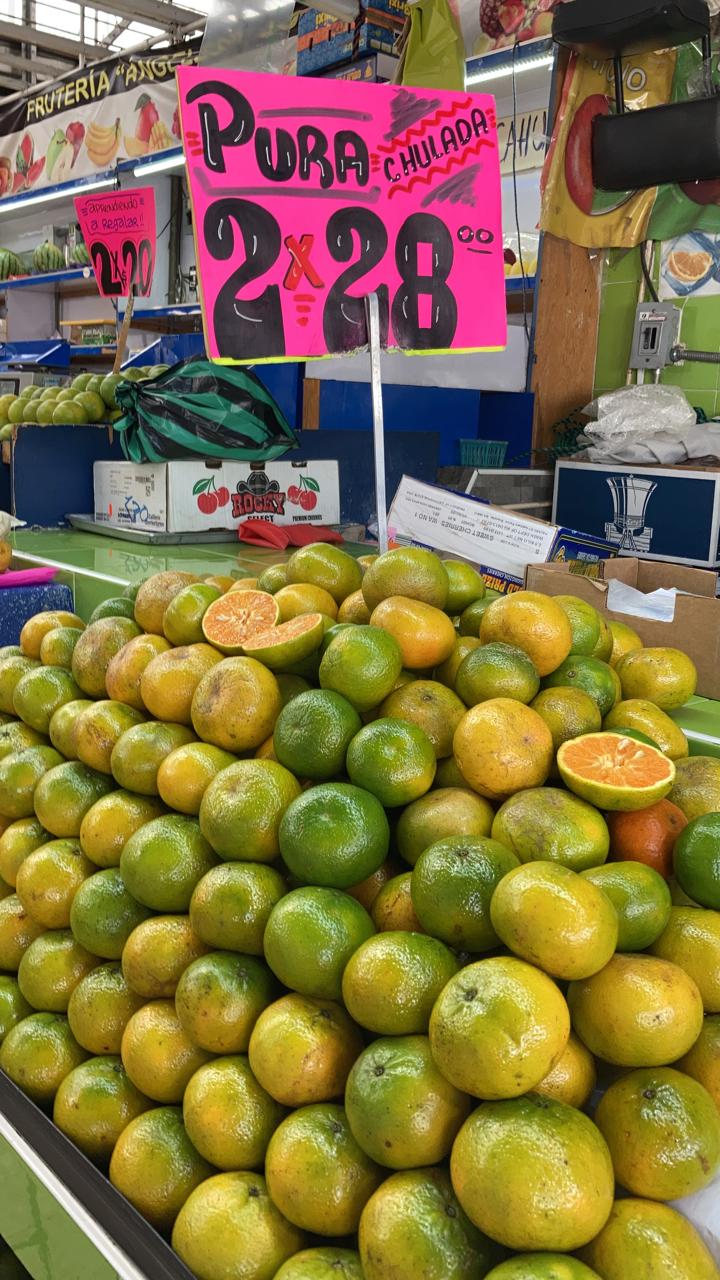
x,y
201,409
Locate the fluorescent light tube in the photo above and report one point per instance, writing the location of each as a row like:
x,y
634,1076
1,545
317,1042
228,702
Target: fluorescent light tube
x,y
498,73
158,166
18,203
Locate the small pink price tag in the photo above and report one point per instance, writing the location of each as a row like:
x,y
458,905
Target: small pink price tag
x,y
118,228
309,194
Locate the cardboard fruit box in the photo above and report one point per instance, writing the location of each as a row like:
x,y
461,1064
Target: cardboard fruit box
x,y
689,621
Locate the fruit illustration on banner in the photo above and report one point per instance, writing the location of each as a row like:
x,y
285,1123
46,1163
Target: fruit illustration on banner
x,y
27,168
60,157
102,142
147,119
5,174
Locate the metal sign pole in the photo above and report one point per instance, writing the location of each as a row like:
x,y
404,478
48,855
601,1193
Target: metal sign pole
x,y
372,312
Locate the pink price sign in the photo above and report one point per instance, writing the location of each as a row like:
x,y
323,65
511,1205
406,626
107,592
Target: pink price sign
x,y
309,194
118,228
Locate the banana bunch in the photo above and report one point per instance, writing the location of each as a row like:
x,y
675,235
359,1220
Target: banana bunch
x,y
102,142
135,147
160,137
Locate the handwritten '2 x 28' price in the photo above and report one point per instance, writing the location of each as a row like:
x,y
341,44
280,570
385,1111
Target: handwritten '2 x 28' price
x,y
124,272
422,309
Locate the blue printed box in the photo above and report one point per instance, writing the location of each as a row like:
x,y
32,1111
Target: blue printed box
x,y
653,513
321,53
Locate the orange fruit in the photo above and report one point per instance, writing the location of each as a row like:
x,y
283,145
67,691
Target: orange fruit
x,y
641,899
236,704
182,620
231,905
291,645
335,834
139,752
98,728
40,692
313,733
157,1054
647,835
100,1008
184,775
219,999
567,713
664,676
157,953
155,594
169,681
498,1028
103,914
368,889
231,1224
18,840
12,668
17,931
16,736
637,1011
125,669
429,706
597,678
251,797
501,747
363,664
301,1050
309,1264
48,880
411,572
625,640
553,918
224,583
413,1225
20,773
586,625
703,1060
37,627
393,1083
156,1167
38,1053
393,908
572,1078
532,622
310,936
109,823
93,1105
390,984
446,672
547,1160
638,713
272,578
614,772
354,609
691,940
547,824
51,968
452,885
64,795
94,651
235,617
323,565
229,1117
496,671
62,726
696,789
393,760
57,646
164,860
317,1174
297,599
13,1005
424,634
663,1131
449,811
465,586
641,1236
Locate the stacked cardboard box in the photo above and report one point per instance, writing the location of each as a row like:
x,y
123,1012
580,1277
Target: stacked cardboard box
x,y
325,41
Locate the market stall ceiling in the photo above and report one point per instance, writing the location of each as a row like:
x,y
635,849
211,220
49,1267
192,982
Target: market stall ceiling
x,y
41,39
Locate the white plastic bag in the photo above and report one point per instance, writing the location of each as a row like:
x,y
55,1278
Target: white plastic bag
x,y
646,424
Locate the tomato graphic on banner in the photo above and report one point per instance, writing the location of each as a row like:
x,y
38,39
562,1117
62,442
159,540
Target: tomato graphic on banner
x,y
303,209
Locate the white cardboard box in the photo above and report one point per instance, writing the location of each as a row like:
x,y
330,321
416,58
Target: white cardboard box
x,y
185,497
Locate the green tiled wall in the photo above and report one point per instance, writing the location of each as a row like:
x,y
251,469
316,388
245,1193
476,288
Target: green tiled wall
x,y
700,329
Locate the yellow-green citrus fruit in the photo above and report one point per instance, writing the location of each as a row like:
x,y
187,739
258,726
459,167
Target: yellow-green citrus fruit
x,y
638,1011
392,981
231,1224
452,884
311,935
241,810
549,825
335,834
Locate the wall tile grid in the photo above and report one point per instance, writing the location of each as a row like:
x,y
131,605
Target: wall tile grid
x,y
700,329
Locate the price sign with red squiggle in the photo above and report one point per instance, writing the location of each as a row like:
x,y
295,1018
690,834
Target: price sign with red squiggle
x,y
119,230
309,194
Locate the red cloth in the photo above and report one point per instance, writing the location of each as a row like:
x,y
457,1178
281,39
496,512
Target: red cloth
x,y
261,533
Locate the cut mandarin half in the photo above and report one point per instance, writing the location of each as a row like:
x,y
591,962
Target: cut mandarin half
x,y
615,772
289,642
231,620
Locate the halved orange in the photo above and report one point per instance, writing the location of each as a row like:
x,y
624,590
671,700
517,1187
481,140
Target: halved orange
x,y
615,772
230,621
280,647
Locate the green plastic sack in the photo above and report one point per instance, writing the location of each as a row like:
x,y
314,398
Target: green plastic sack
x,y
434,56
201,409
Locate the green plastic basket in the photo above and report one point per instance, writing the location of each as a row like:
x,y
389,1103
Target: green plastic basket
x,y
483,453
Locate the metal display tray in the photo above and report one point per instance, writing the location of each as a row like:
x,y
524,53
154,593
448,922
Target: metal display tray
x,y
149,537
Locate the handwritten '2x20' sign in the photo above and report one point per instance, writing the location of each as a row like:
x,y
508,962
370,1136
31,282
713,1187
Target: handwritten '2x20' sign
x,y
309,194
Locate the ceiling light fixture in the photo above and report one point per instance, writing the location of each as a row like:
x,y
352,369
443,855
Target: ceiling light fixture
x,y
521,64
17,204
161,165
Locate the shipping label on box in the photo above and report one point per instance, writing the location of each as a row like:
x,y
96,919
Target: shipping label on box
x,y
655,513
131,495
501,543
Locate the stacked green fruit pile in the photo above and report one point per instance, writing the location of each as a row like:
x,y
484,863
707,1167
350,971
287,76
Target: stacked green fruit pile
x,y
327,898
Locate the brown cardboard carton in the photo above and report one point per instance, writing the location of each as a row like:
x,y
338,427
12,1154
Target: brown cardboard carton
x,y
695,627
